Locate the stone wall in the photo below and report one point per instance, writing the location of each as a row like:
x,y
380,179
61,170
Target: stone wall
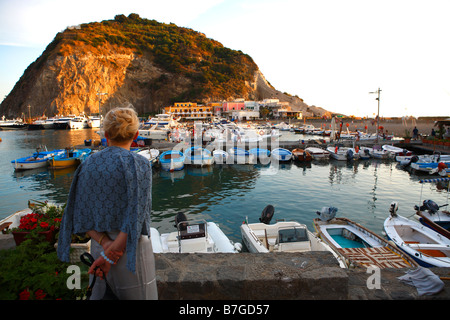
x,y
277,276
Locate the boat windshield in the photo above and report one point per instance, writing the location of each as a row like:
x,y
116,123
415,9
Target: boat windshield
x,y
292,235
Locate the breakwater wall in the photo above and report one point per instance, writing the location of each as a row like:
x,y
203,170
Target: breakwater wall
x,y
279,276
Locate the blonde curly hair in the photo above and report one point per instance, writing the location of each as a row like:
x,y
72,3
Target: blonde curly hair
x,y
121,124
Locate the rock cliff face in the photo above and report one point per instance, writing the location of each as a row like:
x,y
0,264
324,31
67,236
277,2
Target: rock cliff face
x,y
79,67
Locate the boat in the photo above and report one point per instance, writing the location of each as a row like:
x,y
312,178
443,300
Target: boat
x,y
61,123
68,158
343,153
363,153
94,122
376,152
221,156
39,159
241,156
431,215
426,246
41,124
150,154
301,155
261,154
13,220
283,236
281,154
356,245
199,156
318,153
77,123
399,154
12,124
193,237
172,160
430,163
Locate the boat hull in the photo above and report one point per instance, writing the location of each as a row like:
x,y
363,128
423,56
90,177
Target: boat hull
x,y
427,247
172,160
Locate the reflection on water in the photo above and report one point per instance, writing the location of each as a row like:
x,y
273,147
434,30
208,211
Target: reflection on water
x,y
227,194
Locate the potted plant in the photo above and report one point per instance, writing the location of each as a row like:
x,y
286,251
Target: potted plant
x,y
44,220
407,136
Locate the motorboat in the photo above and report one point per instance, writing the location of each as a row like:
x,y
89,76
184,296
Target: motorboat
x,y
241,156
281,154
77,123
193,237
283,236
41,124
62,123
155,132
220,156
68,158
172,160
426,246
39,159
375,152
318,153
343,153
363,153
430,163
429,213
356,245
198,156
94,122
399,154
301,155
150,154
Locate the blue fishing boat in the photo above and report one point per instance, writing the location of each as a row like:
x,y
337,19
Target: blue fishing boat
x,y
172,160
281,154
39,159
241,156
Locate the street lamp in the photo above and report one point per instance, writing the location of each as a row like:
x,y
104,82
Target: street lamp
x,y
378,116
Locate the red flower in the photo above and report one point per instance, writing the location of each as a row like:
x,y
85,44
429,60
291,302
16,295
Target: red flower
x,y
44,224
24,295
39,294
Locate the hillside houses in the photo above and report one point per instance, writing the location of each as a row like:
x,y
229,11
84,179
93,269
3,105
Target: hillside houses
x,y
237,110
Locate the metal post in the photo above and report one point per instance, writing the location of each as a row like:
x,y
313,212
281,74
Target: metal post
x,y
378,116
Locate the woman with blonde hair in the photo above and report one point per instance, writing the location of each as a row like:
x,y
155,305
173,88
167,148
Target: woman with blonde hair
x,y
110,200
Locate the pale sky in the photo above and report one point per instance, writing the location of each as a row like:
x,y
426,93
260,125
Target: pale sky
x,y
331,53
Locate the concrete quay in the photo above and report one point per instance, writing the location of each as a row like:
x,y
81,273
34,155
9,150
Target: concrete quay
x,y
278,276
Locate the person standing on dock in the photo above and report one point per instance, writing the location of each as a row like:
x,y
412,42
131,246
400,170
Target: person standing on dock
x,y
110,200
415,133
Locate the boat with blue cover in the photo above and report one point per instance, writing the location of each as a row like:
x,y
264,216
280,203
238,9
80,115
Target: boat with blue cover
x,y
241,155
281,154
261,154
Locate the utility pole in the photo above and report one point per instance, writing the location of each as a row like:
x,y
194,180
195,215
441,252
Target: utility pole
x,y
378,116
100,94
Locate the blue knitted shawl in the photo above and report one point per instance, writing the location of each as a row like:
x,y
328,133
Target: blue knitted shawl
x,y
111,190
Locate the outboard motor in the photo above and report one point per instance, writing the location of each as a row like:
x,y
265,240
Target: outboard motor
x,y
429,205
366,152
180,217
349,154
393,209
267,214
327,213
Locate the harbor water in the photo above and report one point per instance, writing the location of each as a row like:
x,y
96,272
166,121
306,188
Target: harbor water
x,y
228,194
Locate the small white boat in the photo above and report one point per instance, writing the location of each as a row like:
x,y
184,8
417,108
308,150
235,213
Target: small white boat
x,y
343,153
358,246
427,247
13,220
77,123
172,160
376,153
198,156
318,153
283,236
281,154
151,154
193,237
220,156
399,154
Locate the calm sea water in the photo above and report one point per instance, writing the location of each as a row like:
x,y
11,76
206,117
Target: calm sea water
x,y
227,194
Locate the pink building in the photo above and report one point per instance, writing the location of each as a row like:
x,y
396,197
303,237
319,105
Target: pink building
x,y
233,106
